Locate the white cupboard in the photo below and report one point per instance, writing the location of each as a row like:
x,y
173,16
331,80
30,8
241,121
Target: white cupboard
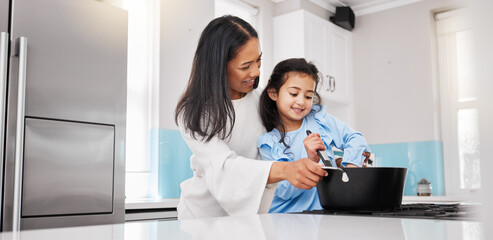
x,y
329,47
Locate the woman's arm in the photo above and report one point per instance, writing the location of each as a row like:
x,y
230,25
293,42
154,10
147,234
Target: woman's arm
x,y
236,183
303,173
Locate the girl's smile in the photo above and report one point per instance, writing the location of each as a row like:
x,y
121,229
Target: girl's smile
x,y
294,99
298,110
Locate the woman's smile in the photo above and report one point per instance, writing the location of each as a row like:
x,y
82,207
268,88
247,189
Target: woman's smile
x,y
244,68
249,83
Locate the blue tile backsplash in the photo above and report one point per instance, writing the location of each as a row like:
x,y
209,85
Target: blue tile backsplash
x,y
173,161
423,160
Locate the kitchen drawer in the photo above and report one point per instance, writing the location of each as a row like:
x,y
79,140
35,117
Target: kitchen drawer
x,y
68,168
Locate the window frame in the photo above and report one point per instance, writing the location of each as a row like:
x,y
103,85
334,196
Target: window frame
x,y
448,24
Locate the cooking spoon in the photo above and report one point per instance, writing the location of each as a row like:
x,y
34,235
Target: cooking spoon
x,y
327,164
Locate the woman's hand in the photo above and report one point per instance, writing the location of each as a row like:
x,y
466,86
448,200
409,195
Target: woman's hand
x,y
312,143
303,174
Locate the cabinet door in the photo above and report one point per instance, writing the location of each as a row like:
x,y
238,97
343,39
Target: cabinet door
x,y
335,89
315,38
289,37
323,43
319,50
340,66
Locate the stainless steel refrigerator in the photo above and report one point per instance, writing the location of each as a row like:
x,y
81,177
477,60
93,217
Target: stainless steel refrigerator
x,y
63,71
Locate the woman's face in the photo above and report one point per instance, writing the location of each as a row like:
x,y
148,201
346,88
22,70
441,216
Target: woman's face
x,y
294,99
244,68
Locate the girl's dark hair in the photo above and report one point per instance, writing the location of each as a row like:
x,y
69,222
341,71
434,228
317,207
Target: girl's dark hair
x,y
205,107
268,109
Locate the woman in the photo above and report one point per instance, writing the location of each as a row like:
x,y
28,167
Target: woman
x,y
218,117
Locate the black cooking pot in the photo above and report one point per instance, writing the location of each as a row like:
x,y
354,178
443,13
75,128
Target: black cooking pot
x,y
368,189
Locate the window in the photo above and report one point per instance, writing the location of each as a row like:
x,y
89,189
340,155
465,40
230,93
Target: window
x,y
142,96
459,102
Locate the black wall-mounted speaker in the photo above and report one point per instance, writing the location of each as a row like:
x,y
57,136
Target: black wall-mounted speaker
x,y
344,18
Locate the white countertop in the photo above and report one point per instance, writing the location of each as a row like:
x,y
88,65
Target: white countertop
x,y
268,226
439,199
147,203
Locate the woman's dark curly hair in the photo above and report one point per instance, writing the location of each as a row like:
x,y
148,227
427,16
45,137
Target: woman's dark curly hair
x,y
268,109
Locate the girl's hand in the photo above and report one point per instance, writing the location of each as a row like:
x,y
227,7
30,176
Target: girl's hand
x,y
303,174
367,156
312,143
350,165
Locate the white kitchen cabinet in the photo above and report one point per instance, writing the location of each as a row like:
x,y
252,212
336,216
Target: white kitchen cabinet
x,y
329,47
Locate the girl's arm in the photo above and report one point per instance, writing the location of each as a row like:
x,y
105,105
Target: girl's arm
x,y
347,139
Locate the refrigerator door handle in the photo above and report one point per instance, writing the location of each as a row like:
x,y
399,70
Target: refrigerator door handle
x,y
21,52
4,44
4,48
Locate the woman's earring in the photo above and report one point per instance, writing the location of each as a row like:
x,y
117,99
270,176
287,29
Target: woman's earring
x,y
272,94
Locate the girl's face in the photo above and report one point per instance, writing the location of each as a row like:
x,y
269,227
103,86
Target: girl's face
x,y
244,68
294,99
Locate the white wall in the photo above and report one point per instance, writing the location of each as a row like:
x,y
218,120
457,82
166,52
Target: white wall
x,y
182,22
293,5
265,30
395,81
483,19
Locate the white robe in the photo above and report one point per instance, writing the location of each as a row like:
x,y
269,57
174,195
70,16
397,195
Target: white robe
x,y
228,179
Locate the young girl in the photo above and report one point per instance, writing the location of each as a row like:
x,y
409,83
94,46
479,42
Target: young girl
x,y
288,108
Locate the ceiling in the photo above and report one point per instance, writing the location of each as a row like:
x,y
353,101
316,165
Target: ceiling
x,y
361,7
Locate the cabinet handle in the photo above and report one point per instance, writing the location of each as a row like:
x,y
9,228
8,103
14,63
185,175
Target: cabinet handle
x,y
333,88
330,82
21,52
